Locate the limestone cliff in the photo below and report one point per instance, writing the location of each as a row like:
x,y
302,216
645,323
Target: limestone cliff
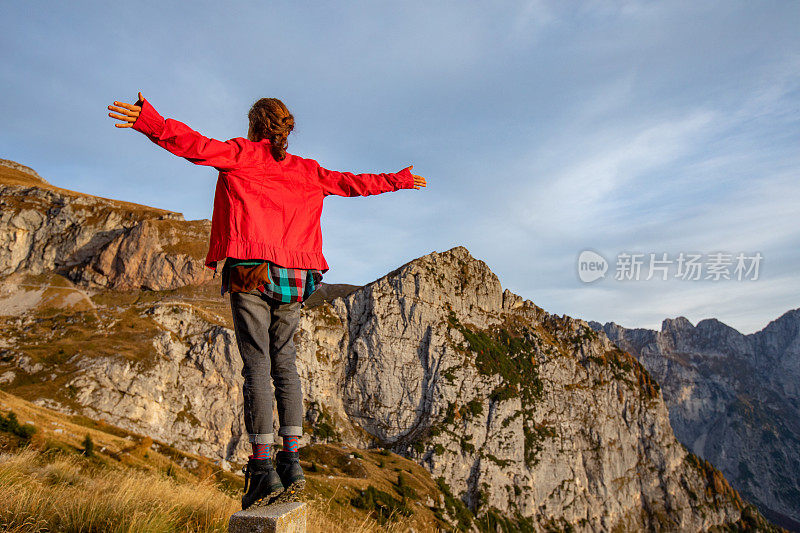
x,y
96,241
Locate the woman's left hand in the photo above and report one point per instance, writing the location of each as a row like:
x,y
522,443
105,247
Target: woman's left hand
x,y
129,112
419,181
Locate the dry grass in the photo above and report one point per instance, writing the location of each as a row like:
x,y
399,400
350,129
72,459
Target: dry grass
x,y
71,493
13,176
68,493
184,237
131,484
325,516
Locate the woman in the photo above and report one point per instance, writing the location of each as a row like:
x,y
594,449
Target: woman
x,y
266,226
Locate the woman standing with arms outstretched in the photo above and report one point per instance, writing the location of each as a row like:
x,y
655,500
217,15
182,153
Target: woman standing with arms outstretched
x,y
266,226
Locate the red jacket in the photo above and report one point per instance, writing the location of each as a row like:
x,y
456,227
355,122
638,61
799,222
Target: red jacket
x,y
263,208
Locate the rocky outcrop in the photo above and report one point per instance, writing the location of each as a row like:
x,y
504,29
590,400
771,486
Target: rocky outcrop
x,y
154,255
97,242
186,394
733,399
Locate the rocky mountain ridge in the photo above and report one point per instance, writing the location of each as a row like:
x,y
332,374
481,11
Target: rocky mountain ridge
x,y
531,420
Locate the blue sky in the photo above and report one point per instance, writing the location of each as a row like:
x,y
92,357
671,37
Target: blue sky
x,y
543,129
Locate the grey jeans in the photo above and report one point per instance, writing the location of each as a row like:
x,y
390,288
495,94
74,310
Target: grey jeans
x,y
264,331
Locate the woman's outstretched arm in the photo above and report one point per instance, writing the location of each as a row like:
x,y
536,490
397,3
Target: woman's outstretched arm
x,y
177,137
349,184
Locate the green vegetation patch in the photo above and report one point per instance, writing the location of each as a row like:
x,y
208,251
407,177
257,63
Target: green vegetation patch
x,y
324,429
509,351
622,364
334,461
455,507
382,505
495,520
88,446
405,490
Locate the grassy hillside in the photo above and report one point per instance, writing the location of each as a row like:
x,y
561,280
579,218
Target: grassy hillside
x,y
53,479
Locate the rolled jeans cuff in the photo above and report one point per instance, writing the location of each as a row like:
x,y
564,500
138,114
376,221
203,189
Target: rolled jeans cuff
x,y
290,431
260,438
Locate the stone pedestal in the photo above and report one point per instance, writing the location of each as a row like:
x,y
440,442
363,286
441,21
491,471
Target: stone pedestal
x,y
277,518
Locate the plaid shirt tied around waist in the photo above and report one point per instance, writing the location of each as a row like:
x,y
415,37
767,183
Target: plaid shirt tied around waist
x,y
279,283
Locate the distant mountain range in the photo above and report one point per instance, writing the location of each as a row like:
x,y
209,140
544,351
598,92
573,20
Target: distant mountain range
x,y
733,399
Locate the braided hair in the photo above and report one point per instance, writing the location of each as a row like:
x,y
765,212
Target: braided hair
x,y
270,119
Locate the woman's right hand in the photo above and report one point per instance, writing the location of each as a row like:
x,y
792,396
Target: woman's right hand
x,y
419,181
129,112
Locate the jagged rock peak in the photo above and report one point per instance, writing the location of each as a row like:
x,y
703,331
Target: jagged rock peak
x,y
451,277
22,168
460,277
788,323
679,324
447,262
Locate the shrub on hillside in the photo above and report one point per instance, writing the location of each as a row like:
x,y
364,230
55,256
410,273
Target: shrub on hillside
x,y
381,504
88,446
10,424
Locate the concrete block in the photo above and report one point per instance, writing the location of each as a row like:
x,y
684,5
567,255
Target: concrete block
x,y
277,518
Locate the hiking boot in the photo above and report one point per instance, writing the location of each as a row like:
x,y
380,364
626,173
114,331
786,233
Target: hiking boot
x,y
291,474
261,483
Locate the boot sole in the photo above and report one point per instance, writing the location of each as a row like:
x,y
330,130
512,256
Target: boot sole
x,y
265,500
291,493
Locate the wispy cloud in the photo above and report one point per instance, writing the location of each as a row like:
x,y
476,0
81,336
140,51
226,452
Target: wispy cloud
x,y
581,178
